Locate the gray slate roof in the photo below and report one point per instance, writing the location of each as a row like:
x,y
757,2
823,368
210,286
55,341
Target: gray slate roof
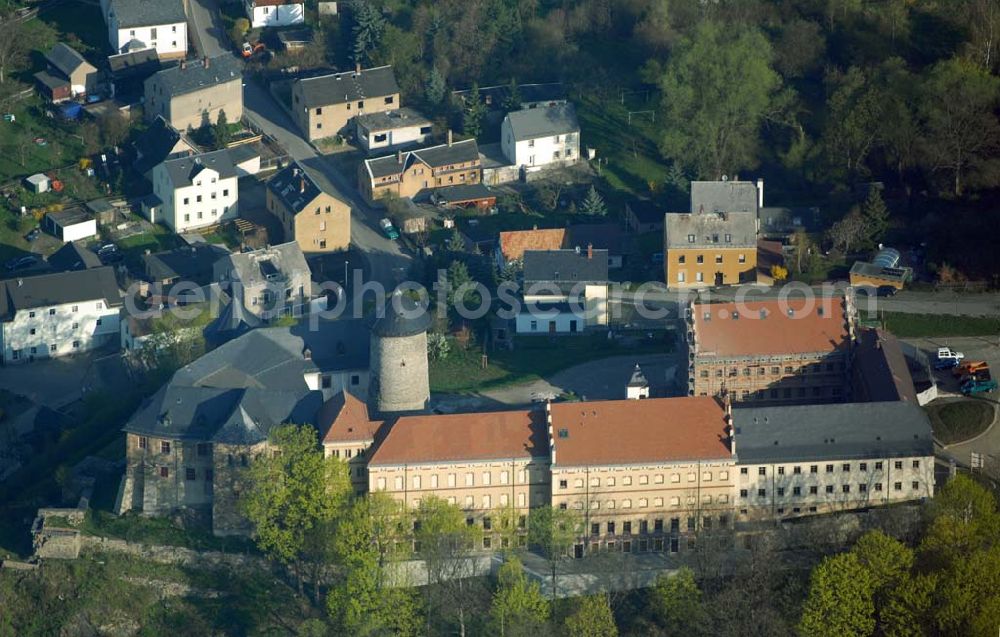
x,y
194,76
155,144
187,263
533,123
710,230
496,96
803,433
73,256
59,288
233,321
565,266
66,59
184,170
434,156
141,13
409,319
723,196
391,120
253,267
294,188
338,88
143,62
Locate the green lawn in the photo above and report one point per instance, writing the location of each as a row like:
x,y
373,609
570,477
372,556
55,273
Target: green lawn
x,y
156,240
930,325
533,357
159,531
960,420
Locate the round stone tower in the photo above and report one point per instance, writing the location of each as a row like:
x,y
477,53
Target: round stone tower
x,y
399,358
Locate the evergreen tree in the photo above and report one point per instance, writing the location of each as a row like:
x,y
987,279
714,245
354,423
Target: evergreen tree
x,y
220,132
456,242
435,89
513,100
518,607
475,111
369,25
593,204
875,215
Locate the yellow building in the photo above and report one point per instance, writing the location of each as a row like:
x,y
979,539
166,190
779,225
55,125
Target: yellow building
x,y
406,174
704,249
642,472
319,221
323,105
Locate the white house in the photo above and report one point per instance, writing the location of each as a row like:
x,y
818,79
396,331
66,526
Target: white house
x,y
541,136
58,314
565,291
390,130
196,191
274,13
134,25
71,225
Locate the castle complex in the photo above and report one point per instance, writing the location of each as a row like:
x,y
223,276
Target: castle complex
x,y
643,473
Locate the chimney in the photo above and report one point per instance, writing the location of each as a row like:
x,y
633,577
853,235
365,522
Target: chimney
x,y
590,251
357,68
206,63
302,184
183,64
20,282
399,157
449,137
760,192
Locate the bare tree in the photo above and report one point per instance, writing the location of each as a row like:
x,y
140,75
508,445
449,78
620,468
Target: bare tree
x,y
13,45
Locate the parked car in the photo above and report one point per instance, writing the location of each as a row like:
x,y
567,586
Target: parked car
x,y
885,290
109,253
945,363
22,263
389,230
947,352
33,234
978,387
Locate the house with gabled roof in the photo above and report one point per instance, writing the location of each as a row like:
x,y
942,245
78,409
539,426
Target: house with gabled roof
x,y
542,136
194,191
565,291
134,25
68,75
417,172
270,282
323,105
193,94
318,219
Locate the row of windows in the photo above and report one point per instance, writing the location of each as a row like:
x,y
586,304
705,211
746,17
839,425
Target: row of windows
x,y
740,258
190,473
659,478
775,370
772,394
846,466
844,488
568,138
33,350
33,331
200,214
469,502
76,308
642,526
203,449
225,193
713,238
469,480
349,453
675,501
361,104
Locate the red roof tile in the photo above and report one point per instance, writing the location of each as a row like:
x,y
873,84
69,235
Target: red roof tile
x,y
461,437
769,328
635,431
344,418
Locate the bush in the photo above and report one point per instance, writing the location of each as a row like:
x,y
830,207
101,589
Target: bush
x,y
438,346
239,31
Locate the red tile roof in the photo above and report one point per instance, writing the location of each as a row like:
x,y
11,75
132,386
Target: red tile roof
x,y
769,328
635,431
515,242
462,437
344,418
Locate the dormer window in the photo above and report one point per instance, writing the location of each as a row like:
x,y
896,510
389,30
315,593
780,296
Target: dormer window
x,y
307,354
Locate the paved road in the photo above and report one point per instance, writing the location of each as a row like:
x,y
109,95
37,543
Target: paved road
x,y
206,28
387,263
943,303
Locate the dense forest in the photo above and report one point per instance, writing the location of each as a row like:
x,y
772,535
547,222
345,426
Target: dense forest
x,y
819,96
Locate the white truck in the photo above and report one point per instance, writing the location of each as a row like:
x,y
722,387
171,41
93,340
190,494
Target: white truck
x,y
948,354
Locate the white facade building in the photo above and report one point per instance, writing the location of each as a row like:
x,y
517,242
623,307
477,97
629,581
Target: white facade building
x,y
541,136
274,13
134,25
390,130
807,459
58,314
194,192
